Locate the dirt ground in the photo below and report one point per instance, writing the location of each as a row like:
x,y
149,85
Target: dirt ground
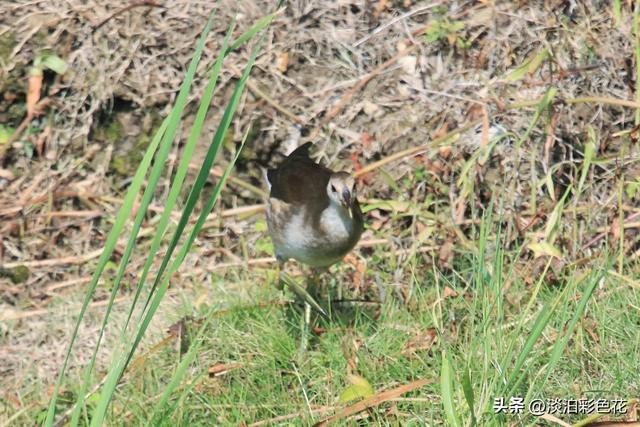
x,y
364,80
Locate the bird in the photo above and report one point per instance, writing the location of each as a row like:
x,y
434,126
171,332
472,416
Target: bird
x,y
313,214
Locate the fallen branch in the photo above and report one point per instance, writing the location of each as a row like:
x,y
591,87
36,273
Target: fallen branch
x,y
374,400
54,262
17,315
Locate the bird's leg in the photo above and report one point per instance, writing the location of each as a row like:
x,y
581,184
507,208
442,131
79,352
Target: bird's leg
x,y
315,284
281,273
312,284
299,291
305,323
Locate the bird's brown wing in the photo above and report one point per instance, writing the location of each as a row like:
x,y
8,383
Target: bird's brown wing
x,y
299,180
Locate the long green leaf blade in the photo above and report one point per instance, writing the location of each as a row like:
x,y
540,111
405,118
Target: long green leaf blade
x,y
446,386
191,354
172,125
154,300
110,243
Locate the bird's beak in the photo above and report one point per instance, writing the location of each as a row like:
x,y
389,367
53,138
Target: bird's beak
x,y
346,201
346,198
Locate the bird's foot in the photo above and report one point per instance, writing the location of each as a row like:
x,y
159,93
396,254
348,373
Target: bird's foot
x,y
315,285
302,293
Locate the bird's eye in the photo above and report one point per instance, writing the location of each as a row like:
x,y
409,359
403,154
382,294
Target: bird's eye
x,y
333,188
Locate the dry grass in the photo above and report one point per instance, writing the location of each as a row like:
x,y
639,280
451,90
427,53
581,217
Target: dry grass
x,y
359,77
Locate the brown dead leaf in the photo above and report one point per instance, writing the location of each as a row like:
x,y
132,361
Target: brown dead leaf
x,y
449,293
42,140
319,331
282,62
445,256
377,219
475,112
460,207
551,137
615,228
367,139
9,97
422,341
441,131
365,179
12,398
359,275
590,326
33,92
222,368
381,6
445,151
483,56
434,166
484,136
350,346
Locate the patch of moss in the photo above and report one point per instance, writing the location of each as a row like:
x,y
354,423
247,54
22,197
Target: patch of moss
x,y
19,274
7,43
120,165
16,111
126,164
11,82
143,142
113,131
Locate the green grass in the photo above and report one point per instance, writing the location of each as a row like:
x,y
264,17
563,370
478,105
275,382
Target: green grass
x,y
481,332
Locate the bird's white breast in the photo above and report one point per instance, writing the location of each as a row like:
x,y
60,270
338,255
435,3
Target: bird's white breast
x,y
336,222
313,246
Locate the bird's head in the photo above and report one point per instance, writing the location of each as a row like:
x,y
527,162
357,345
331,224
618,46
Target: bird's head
x,y
342,190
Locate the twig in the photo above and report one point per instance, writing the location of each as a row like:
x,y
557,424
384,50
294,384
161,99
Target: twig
x,y
374,400
362,82
53,262
267,98
71,214
126,9
584,99
414,150
217,172
399,18
599,237
67,283
296,415
17,315
40,105
255,261
63,418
